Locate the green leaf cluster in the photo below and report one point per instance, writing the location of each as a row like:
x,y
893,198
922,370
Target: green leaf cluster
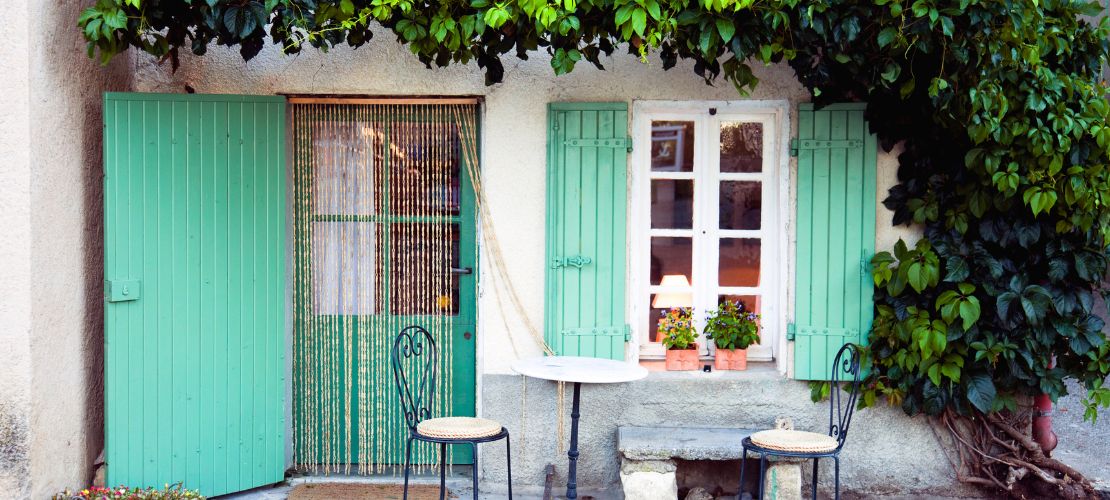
x,y
731,326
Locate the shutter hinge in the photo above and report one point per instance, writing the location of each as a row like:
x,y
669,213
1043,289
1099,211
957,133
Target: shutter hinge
x,y
627,332
616,143
864,264
797,145
790,331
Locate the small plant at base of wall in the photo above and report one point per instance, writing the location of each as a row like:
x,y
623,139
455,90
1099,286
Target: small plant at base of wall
x,y
169,492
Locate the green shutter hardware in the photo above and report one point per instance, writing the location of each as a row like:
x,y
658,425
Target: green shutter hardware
x,y
584,313
624,143
194,212
836,235
575,261
123,290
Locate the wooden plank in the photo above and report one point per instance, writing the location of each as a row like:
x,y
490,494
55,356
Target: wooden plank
x,y
804,253
820,304
384,100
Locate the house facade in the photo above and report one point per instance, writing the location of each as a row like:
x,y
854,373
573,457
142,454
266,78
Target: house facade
x,y
565,202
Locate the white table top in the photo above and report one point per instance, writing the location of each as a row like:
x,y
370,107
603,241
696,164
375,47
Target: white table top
x,y
578,369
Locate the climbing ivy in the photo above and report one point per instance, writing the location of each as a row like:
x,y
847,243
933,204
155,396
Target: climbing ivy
x,y
998,104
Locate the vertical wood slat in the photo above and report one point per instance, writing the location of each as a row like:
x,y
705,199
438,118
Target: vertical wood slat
x,y
835,237
194,209
586,214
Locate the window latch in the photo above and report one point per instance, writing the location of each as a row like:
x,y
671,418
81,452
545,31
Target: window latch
x,y
575,261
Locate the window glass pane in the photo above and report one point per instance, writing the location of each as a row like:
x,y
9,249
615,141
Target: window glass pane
x,y
671,256
653,321
343,170
672,146
420,281
672,204
344,268
751,303
425,160
741,147
741,203
739,263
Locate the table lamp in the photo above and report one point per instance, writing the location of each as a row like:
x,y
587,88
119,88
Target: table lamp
x,y
671,298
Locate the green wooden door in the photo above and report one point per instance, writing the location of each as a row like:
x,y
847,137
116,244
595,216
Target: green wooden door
x,y
194,319
836,235
587,189
358,420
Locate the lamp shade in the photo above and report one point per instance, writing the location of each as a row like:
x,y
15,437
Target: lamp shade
x,y
671,298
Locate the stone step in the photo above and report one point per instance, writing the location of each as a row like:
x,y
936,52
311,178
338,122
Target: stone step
x,y
687,443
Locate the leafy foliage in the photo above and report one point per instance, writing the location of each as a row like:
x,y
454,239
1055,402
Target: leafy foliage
x,y
676,328
999,105
730,326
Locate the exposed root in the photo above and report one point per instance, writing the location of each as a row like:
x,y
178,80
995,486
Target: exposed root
x,y
997,451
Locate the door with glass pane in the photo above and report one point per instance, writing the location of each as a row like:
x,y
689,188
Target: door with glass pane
x,y
384,238
708,187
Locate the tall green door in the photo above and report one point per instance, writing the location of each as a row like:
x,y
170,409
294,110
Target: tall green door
x,y
194,250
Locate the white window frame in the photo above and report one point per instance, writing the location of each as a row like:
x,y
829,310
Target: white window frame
x,y
774,227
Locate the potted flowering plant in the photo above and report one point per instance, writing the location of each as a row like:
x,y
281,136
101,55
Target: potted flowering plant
x,y
678,335
732,329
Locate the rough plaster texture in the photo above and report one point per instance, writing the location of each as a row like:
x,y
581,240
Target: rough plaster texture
x,y
50,405
15,257
886,452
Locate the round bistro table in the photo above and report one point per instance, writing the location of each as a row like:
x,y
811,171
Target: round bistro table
x,y
579,371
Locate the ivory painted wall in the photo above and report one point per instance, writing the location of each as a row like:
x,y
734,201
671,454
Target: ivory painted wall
x,y
51,412
514,133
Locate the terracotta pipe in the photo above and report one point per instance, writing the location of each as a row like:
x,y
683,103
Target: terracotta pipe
x,y
1042,421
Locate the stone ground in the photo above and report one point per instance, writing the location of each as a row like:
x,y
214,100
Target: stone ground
x,y
1082,445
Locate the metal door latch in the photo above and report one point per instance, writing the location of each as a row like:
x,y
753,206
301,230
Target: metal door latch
x,y
574,261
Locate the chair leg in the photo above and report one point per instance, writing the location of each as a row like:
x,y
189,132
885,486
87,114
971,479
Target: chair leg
x,y
509,464
474,476
762,473
442,471
743,464
815,478
836,460
408,457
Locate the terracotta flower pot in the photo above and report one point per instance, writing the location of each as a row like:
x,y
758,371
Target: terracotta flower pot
x,y
682,359
731,359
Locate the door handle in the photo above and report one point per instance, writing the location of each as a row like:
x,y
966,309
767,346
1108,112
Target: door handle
x,y
461,270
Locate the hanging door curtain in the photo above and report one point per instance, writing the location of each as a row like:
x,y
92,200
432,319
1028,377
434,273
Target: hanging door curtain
x,y
384,237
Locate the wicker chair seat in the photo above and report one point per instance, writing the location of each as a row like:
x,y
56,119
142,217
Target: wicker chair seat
x,y
458,428
794,441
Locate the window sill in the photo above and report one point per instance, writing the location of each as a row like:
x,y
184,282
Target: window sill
x,y
761,370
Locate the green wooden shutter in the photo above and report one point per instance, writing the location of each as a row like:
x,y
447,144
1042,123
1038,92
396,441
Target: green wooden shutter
x,y
836,235
587,172
194,319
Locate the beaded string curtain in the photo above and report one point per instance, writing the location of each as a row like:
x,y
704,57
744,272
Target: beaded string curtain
x,y
377,232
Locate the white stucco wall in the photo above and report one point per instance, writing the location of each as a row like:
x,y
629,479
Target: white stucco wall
x,y
50,404
514,134
15,256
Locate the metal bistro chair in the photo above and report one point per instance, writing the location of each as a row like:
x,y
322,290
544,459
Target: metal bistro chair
x,y
802,444
414,360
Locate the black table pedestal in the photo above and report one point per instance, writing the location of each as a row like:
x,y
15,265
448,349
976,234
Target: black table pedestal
x,y
572,471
